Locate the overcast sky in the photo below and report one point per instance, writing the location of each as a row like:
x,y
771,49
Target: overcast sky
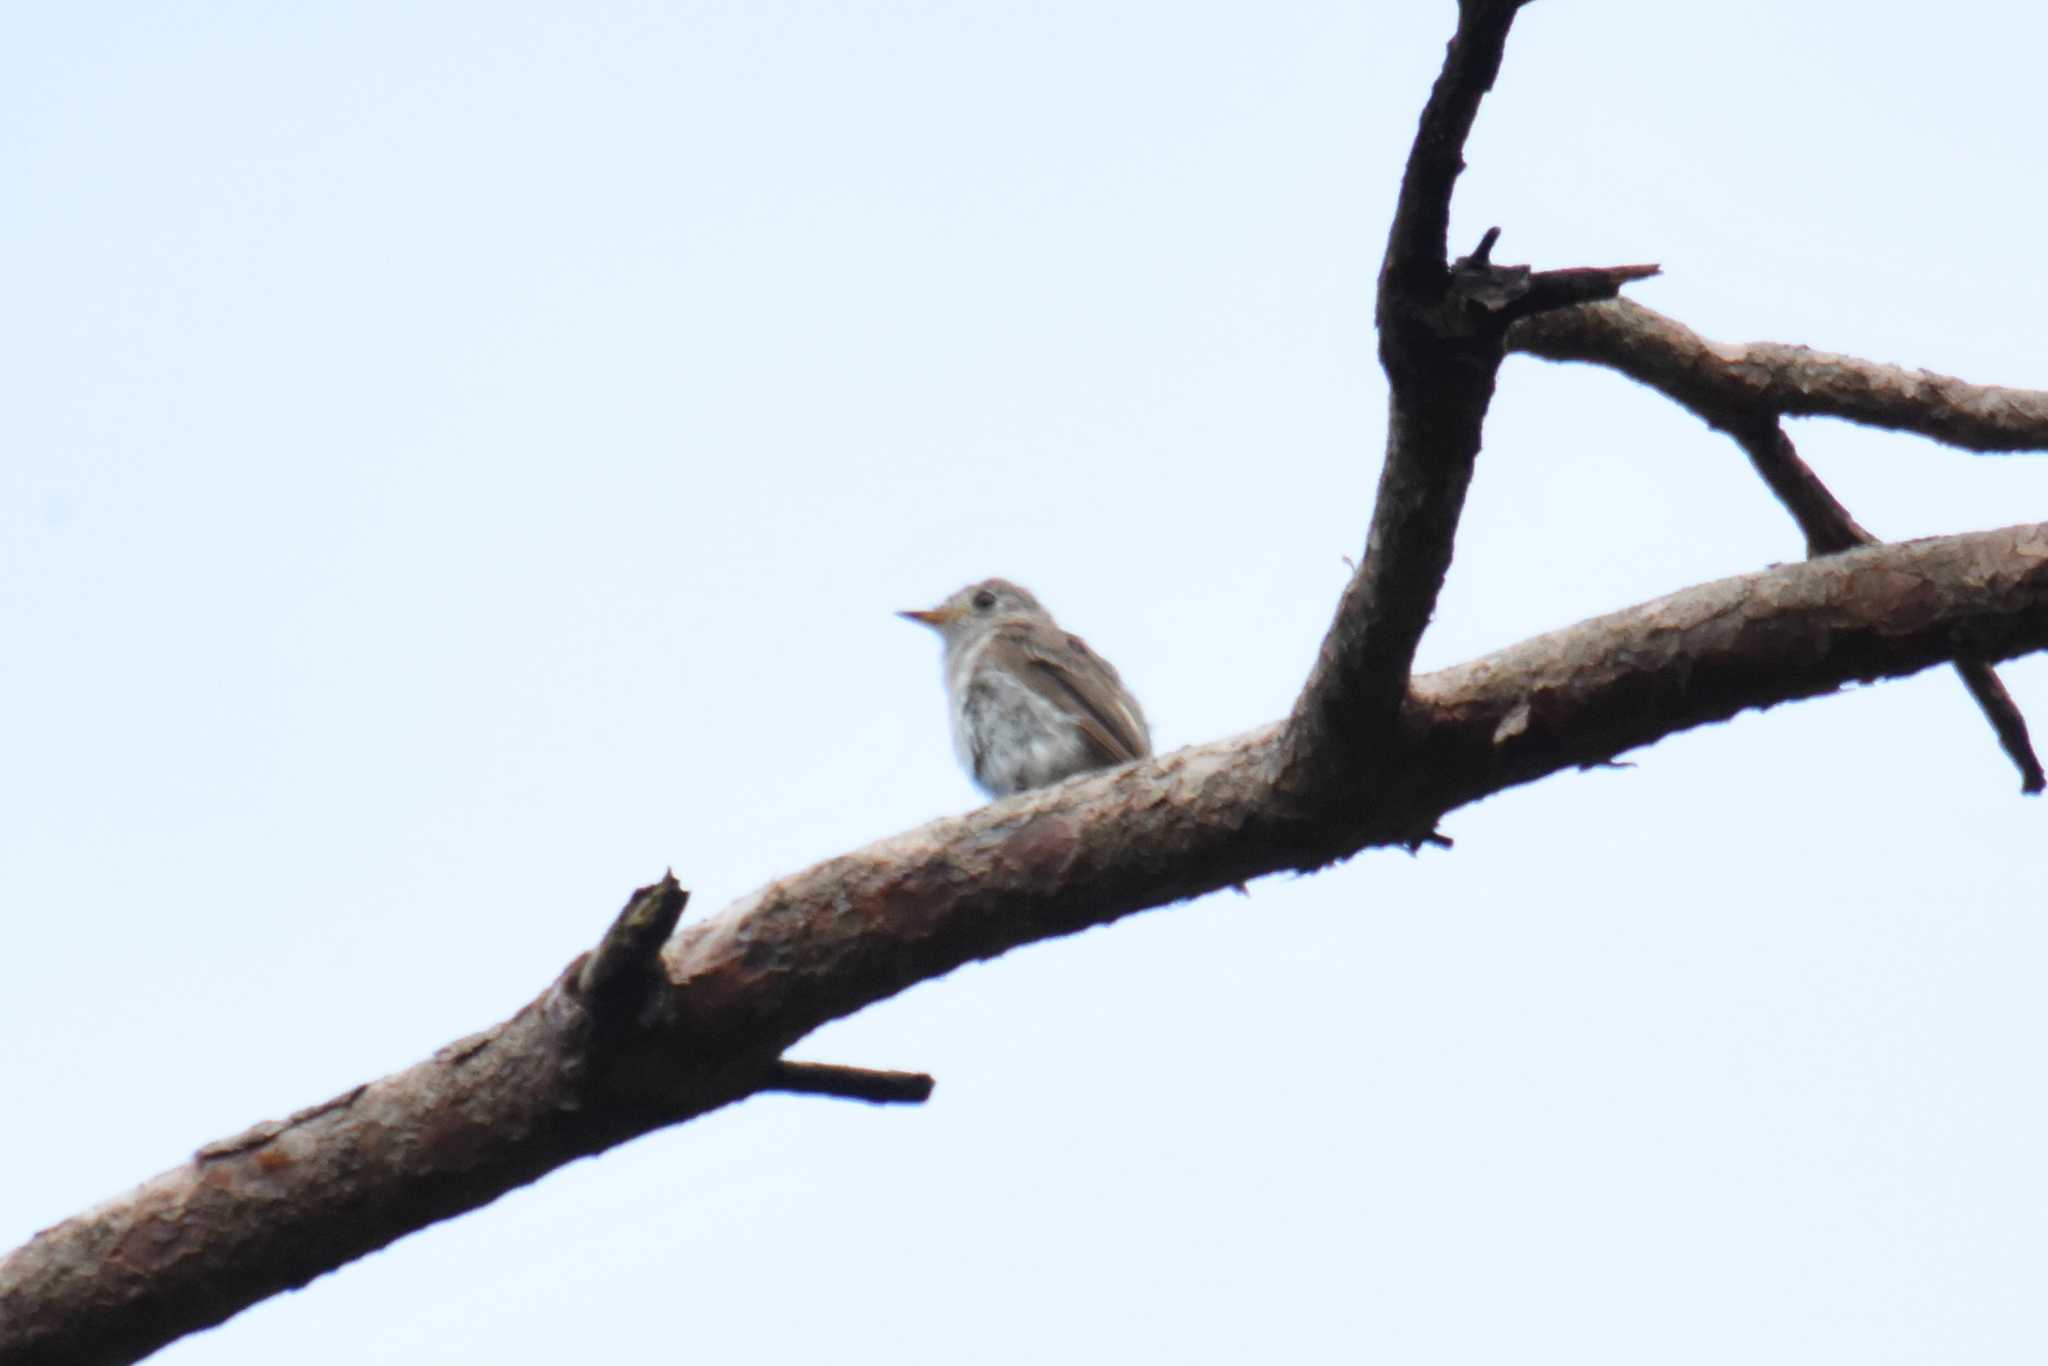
x,y
461,460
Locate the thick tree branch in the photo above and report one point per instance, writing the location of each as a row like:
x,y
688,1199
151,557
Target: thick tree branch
x,y
1440,368
1441,328
1745,391
278,1205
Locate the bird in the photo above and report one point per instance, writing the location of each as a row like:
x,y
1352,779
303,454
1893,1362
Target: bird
x,y
1030,703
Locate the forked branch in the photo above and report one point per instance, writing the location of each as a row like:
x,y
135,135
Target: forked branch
x,y
657,1024
1747,390
1441,328
1718,380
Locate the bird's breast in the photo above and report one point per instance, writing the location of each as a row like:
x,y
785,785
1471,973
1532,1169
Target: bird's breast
x,y
1011,737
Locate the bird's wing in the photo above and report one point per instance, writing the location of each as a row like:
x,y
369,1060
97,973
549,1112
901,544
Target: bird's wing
x,y
1062,669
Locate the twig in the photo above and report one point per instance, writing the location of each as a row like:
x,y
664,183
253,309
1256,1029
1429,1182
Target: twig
x,y
1826,524
848,1083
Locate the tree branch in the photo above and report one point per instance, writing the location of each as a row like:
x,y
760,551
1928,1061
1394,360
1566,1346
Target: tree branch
x,y
623,970
1718,380
849,1083
1826,524
657,1024
1441,330
1418,244
1745,390
1829,530
284,1202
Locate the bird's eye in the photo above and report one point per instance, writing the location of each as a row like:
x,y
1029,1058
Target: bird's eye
x,y
984,600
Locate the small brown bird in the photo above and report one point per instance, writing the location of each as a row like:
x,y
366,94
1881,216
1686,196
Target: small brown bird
x,y
1031,704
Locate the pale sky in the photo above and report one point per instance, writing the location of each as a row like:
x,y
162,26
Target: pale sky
x,y
461,460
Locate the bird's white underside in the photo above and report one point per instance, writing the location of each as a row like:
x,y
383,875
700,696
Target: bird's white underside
x,y
1008,736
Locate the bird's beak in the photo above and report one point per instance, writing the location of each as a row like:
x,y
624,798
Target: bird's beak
x,y
933,617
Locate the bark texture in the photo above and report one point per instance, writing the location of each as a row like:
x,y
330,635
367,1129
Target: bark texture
x,y
1442,329
653,1028
658,1024
1747,391
1735,380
